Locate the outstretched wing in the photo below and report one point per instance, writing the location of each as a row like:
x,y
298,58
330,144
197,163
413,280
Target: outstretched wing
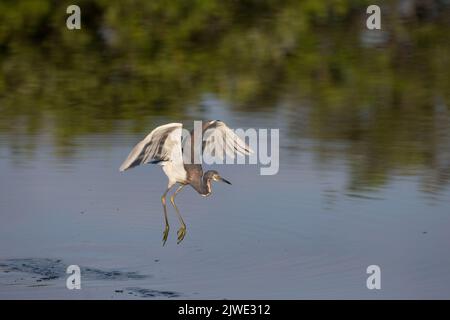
x,y
162,144
218,140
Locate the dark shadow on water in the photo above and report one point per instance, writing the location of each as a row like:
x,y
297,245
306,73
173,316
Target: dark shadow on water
x,y
39,272
147,293
51,269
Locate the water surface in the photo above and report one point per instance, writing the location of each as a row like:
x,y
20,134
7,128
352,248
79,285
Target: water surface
x,y
364,124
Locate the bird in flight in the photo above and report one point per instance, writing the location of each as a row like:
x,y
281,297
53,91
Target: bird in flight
x,y
166,147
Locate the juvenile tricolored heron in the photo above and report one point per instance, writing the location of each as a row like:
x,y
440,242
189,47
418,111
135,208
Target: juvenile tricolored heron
x,y
164,146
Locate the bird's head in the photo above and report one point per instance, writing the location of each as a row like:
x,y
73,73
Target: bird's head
x,y
215,176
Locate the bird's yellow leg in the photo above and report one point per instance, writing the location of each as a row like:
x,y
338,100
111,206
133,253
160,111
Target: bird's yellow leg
x,y
166,230
182,231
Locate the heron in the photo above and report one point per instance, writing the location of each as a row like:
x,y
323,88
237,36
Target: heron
x,y
165,146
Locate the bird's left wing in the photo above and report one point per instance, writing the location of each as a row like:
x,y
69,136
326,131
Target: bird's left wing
x,y
162,144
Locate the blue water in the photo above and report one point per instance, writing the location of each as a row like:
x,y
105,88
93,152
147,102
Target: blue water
x,y
303,233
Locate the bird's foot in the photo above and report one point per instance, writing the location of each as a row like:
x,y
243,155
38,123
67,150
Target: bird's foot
x,y
165,234
181,233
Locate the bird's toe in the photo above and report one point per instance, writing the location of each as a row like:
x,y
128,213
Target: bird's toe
x,y
181,233
165,234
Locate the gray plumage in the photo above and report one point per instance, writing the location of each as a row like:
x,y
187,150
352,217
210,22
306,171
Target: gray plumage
x,y
164,146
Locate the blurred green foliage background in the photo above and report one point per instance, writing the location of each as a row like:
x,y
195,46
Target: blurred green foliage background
x,y
385,93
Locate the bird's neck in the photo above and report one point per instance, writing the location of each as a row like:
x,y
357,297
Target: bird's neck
x,y
206,186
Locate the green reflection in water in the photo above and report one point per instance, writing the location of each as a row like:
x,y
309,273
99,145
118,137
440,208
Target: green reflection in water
x,y
384,95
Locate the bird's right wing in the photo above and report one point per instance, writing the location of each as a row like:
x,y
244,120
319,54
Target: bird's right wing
x,y
162,144
218,140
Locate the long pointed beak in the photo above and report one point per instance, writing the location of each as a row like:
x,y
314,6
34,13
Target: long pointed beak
x,y
224,180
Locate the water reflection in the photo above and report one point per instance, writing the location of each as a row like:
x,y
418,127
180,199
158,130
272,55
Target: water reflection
x,y
364,125
377,101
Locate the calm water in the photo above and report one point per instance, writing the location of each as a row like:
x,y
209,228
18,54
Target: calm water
x,y
303,233
364,177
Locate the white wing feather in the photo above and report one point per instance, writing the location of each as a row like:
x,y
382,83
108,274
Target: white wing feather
x,y
162,144
219,140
